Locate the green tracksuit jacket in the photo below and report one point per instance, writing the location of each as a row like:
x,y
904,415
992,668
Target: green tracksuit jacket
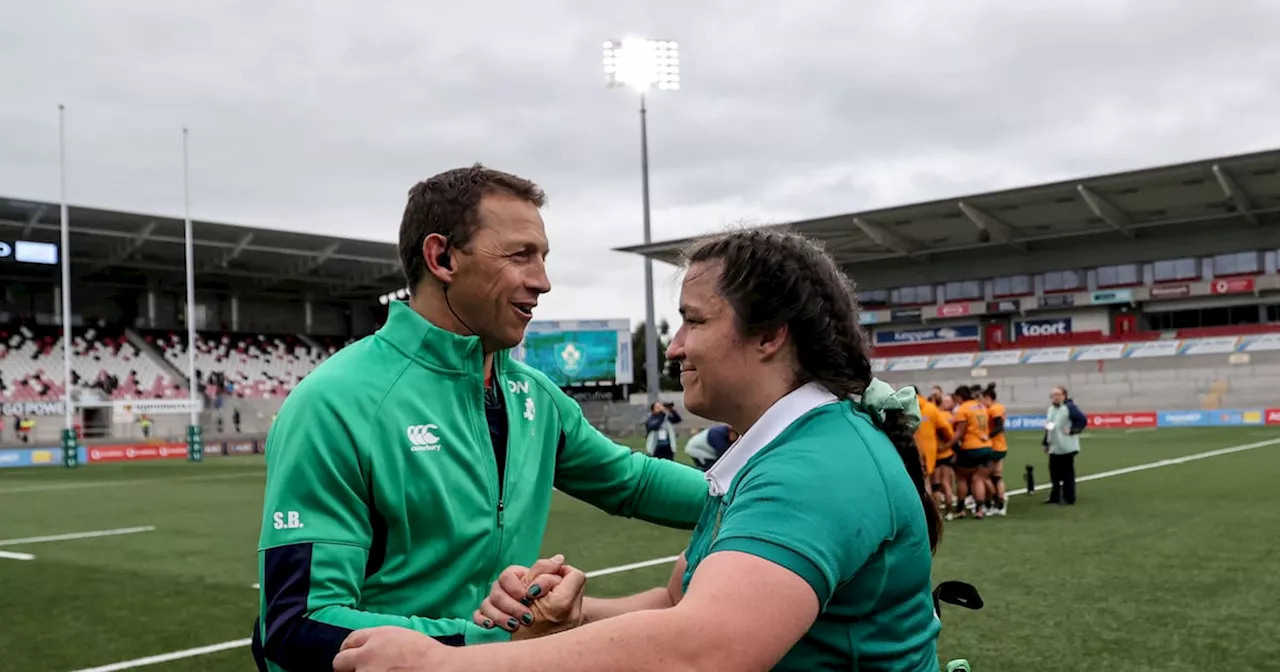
x,y
398,489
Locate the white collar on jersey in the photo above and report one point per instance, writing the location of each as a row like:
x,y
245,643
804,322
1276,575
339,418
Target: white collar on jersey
x,y
780,415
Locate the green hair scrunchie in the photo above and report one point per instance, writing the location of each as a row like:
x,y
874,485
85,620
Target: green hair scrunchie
x,y
880,397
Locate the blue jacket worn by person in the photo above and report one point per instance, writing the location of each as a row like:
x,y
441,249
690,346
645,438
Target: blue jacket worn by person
x,y
718,439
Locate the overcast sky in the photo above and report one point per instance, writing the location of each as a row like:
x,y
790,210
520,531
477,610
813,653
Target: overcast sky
x,y
318,116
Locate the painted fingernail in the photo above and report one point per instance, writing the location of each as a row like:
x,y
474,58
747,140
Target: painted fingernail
x,y
534,591
488,623
526,601
527,618
512,624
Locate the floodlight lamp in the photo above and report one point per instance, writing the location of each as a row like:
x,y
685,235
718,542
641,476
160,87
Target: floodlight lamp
x,y
642,64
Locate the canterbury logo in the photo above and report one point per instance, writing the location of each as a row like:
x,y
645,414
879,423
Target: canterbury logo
x,y
421,438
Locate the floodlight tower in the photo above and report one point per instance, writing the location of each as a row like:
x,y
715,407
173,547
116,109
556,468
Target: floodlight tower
x,y
643,65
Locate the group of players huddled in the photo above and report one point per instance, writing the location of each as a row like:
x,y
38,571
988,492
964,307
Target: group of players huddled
x,y
962,444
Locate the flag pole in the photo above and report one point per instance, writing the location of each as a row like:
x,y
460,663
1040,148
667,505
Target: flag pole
x,y
70,442
195,442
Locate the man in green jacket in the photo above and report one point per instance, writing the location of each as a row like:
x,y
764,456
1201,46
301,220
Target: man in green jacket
x,y
412,467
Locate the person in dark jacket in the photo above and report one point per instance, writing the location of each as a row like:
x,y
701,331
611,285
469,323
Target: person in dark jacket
x,y
660,431
706,447
1064,422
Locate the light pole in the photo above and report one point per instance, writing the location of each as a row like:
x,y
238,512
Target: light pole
x,y
643,65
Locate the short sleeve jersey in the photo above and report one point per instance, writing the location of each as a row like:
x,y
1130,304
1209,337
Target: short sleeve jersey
x,y
999,442
830,500
976,426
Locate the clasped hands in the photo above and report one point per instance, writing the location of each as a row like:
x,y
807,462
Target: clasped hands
x,y
527,602
534,601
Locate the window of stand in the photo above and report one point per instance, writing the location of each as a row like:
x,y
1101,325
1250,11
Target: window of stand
x,y
1063,281
1237,263
906,296
962,291
1013,285
873,297
1173,270
1208,317
1118,276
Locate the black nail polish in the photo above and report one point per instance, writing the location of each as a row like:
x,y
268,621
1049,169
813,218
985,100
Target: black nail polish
x,y
512,624
526,601
527,618
488,623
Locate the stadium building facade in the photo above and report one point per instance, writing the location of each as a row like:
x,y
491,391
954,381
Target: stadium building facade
x,y
1152,295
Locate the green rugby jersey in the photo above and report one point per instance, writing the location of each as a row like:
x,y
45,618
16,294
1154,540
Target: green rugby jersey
x,y
815,487
395,494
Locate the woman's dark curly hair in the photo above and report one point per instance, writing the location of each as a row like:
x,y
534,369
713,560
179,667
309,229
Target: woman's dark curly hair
x,y
774,278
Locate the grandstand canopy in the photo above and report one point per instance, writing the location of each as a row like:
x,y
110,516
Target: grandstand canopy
x,y
124,249
1201,207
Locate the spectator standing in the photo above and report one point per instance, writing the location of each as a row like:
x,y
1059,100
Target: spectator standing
x,y
660,431
1063,424
25,427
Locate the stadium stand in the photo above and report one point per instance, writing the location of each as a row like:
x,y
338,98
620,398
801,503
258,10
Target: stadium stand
x,y
1131,260
246,366
102,358
1151,290
1198,382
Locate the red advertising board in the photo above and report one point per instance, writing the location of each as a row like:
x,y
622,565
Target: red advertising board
x,y
953,310
1273,416
1231,285
1121,420
136,451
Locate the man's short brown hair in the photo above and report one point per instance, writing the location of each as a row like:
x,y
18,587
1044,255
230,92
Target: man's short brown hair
x,y
449,204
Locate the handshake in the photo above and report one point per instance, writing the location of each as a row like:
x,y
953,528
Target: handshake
x,y
534,601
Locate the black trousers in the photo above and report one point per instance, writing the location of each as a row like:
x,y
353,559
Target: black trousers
x,y
1062,474
664,452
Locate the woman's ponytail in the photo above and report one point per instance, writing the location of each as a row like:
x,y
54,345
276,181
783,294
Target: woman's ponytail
x,y
903,437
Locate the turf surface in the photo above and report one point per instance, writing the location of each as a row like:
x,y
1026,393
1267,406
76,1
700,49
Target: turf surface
x,y
1160,569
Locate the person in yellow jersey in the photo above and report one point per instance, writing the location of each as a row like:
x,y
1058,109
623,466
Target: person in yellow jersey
x,y
934,430
944,475
973,454
998,500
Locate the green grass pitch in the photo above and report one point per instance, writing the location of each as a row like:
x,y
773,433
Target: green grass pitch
x,y
1165,569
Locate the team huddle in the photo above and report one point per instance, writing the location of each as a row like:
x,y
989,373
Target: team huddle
x,y
962,445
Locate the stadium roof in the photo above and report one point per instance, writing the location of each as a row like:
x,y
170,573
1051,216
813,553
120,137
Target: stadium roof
x,y
125,249
1239,192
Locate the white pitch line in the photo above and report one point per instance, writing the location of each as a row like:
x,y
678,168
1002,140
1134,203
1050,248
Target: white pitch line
x,y
235,644
635,565
166,657
53,487
607,570
77,535
16,556
1160,463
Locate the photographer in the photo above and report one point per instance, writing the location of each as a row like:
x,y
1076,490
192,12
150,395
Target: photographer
x,y
660,431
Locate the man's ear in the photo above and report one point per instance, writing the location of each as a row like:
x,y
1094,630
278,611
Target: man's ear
x,y
438,257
